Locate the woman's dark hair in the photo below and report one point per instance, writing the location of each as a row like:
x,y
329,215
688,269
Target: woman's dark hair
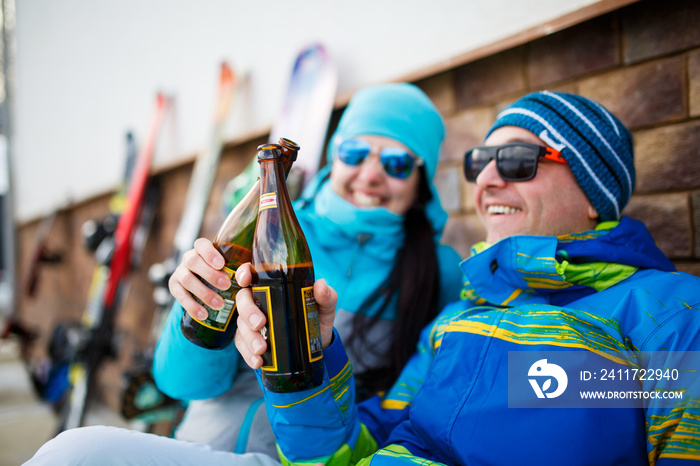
x,y
415,281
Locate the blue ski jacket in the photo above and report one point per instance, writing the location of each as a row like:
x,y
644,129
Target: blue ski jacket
x,y
499,377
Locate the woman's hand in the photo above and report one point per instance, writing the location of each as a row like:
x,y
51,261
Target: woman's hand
x,y
251,319
203,261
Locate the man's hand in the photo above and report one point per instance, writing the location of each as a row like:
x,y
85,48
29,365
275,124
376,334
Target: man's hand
x,y
251,319
202,261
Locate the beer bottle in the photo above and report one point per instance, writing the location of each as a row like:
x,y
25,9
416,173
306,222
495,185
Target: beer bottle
x,y
282,285
234,241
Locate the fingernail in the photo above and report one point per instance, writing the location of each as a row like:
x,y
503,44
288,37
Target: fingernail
x,y
254,320
201,315
327,290
257,344
218,303
218,262
224,283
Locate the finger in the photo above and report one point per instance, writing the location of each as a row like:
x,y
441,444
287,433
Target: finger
x,y
253,360
244,275
189,304
193,262
211,255
251,320
184,285
249,314
326,298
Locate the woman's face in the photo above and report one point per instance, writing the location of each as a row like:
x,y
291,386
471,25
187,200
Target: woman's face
x,y
368,185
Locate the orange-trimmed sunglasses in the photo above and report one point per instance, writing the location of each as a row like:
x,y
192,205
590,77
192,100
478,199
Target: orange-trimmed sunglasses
x,y
515,161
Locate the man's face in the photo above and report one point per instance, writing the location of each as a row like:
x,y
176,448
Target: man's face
x,y
550,204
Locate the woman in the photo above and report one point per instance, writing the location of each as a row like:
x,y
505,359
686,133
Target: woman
x,y
373,219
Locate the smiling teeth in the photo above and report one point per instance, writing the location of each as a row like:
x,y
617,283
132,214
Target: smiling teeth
x,y
365,200
501,210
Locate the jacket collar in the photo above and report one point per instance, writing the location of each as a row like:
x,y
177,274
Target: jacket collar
x,y
556,270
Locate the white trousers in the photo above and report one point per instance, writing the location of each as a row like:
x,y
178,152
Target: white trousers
x,y
112,446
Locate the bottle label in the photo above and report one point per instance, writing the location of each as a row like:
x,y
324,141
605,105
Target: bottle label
x,y
269,303
268,201
261,295
313,330
219,319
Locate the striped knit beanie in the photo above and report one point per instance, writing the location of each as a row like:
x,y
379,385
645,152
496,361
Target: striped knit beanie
x,y
596,145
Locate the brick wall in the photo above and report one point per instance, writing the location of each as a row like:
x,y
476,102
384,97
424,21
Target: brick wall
x,y
641,61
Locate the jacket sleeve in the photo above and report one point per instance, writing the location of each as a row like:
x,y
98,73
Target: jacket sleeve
x,y
343,432
673,416
320,425
185,371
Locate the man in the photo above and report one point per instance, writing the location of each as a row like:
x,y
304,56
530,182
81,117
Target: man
x,y
564,299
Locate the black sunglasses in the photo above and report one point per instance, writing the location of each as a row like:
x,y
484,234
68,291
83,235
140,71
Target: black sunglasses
x,y
515,161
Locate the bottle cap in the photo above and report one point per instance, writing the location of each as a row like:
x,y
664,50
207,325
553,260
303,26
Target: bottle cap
x,y
290,145
269,152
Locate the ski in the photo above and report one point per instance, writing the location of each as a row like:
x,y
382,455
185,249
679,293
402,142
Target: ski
x,y
303,118
306,112
92,340
196,200
95,233
205,167
139,385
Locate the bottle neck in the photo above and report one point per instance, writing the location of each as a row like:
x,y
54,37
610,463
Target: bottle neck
x,y
287,162
279,241
272,176
289,150
287,167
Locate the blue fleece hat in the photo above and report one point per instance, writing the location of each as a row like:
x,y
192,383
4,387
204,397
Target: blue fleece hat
x,y
596,145
399,111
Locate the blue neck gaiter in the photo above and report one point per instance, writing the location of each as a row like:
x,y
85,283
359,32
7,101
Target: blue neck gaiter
x,y
379,231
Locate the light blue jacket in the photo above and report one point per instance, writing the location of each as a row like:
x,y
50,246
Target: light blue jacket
x,y
600,311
